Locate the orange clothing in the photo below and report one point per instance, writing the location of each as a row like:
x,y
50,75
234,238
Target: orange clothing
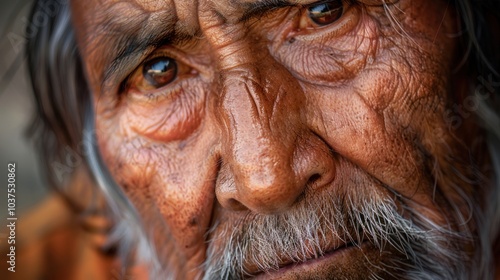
x,y
52,242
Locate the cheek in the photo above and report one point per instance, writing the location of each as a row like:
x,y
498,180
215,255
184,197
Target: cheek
x,y
183,195
380,118
166,179
130,158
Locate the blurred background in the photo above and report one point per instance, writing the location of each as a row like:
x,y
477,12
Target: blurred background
x,y
16,113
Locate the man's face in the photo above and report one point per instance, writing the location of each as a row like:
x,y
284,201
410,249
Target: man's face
x,y
305,139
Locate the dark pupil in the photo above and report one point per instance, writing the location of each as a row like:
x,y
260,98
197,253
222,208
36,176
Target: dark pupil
x,y
327,12
160,71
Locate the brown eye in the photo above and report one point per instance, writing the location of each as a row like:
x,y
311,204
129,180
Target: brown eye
x,y
160,71
326,12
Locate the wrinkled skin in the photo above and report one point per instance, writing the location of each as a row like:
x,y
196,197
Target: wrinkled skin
x,y
272,110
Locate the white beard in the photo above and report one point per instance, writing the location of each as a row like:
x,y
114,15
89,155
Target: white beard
x,y
431,251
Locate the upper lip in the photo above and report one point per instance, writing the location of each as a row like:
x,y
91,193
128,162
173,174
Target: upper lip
x,y
311,254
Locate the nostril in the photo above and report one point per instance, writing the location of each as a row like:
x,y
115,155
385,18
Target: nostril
x,y
313,179
235,205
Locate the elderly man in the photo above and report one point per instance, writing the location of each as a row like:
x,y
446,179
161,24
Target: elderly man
x,y
283,139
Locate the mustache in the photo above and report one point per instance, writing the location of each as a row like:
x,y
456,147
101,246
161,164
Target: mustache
x,y
261,243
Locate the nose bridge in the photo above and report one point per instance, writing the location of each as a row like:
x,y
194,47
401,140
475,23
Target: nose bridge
x,y
253,97
259,152
261,122
253,127
259,113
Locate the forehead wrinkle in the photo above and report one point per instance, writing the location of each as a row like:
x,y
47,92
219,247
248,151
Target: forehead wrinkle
x,y
117,17
109,27
187,14
247,3
151,5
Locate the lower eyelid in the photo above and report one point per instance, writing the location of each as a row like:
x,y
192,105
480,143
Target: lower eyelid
x,y
168,92
154,96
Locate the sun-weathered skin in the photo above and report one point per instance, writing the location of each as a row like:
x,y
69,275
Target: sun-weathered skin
x,y
269,111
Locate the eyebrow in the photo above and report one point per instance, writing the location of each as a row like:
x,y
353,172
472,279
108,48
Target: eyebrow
x,y
127,43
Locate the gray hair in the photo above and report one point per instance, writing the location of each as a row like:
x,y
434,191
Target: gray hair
x,y
65,119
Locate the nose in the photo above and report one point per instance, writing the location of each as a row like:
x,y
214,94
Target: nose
x,y
269,157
